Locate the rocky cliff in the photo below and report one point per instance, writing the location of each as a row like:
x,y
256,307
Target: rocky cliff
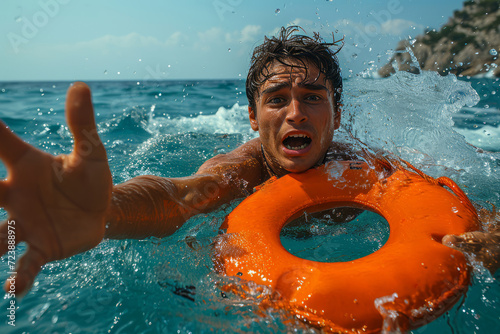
x,y
468,45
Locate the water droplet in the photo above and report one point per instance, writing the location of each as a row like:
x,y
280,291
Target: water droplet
x,y
277,11
493,52
229,50
105,71
18,19
354,55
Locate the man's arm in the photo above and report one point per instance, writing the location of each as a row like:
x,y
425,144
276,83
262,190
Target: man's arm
x,y
156,206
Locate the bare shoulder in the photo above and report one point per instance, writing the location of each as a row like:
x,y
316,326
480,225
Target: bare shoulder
x,y
246,154
244,163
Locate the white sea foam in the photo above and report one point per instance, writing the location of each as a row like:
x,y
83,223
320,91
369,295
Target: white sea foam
x,y
226,121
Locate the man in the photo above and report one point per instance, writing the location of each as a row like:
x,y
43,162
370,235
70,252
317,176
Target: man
x,y
67,204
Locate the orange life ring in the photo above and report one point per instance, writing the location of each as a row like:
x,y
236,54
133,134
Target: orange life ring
x,y
412,276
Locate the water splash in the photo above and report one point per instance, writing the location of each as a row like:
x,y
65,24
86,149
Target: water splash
x,y
411,116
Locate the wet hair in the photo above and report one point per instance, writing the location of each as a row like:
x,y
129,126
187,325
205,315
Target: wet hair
x,y
287,46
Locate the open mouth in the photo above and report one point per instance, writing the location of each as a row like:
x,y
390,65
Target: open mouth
x,y
297,142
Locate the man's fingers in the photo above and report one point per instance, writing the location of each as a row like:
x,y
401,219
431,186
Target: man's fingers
x,y
81,122
471,241
11,146
485,246
467,242
28,267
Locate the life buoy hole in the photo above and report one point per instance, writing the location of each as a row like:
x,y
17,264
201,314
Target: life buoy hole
x,y
335,235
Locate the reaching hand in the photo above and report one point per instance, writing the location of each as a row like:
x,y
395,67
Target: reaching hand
x,y
485,246
56,204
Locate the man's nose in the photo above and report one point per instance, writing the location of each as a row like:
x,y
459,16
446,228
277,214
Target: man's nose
x,y
295,113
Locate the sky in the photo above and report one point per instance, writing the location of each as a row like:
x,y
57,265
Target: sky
x,y
52,40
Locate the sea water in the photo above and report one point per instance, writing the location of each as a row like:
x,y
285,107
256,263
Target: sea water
x,y
443,125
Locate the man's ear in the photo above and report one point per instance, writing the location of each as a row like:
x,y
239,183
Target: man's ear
x,y
253,119
337,117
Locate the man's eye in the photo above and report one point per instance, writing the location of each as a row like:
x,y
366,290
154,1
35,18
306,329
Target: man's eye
x,y
275,100
313,98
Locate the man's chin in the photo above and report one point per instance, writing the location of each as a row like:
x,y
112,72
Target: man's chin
x,y
298,168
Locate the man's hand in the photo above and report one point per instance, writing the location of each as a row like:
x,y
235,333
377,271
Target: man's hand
x,y
485,247
57,203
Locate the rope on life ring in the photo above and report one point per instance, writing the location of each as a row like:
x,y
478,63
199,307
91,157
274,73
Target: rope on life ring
x,y
413,277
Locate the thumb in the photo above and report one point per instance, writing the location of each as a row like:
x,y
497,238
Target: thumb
x,y
28,266
81,122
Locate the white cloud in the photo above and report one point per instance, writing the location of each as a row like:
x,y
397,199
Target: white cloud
x,y
177,38
133,45
394,27
250,33
398,26
347,27
214,36
110,43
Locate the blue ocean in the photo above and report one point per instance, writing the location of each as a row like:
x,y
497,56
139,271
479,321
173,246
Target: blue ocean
x,y
445,126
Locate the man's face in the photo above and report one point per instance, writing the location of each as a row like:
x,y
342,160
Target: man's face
x,y
295,116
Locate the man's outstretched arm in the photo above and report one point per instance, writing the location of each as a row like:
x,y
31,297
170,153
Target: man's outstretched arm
x,y
157,206
61,205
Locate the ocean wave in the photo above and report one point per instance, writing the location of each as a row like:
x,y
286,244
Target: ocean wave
x,y
225,121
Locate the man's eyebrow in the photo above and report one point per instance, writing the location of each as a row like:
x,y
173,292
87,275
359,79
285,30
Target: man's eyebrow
x,y
276,87
314,86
